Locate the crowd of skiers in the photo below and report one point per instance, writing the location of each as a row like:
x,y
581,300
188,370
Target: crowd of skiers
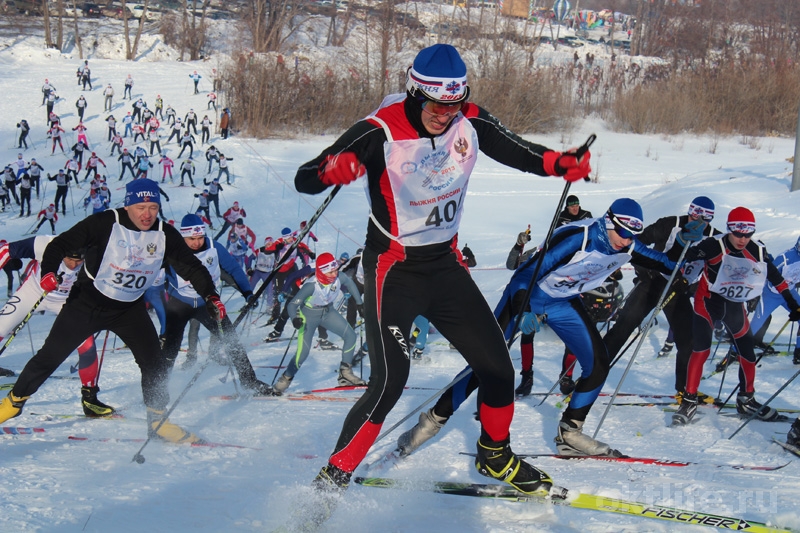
x,y
410,271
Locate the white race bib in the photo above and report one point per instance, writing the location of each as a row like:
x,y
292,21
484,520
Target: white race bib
x,y
740,279
131,262
584,272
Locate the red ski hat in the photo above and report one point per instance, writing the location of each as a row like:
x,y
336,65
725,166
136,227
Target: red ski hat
x,y
741,220
327,268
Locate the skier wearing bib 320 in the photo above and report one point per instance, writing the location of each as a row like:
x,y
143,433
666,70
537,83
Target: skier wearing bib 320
x,y
125,250
412,265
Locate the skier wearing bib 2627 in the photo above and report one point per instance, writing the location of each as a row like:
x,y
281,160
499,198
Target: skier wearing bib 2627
x,y
735,269
125,249
579,258
312,307
31,290
417,152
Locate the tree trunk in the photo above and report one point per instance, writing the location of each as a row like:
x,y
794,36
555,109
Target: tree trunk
x,y
78,42
48,39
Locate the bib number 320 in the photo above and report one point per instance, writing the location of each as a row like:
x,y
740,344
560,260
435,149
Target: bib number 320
x,y
129,281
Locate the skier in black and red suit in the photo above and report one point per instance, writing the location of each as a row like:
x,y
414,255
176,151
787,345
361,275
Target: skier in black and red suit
x,y
417,152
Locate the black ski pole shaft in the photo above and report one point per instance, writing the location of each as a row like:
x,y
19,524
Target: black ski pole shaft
x,y
288,253
579,153
138,457
666,297
102,356
284,357
221,333
758,360
546,396
763,407
24,321
435,395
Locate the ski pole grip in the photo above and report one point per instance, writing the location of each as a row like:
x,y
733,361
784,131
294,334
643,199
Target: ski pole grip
x,y
581,151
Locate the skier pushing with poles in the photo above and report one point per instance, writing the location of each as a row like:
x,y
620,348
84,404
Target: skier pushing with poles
x,y
579,257
185,303
109,296
735,269
412,265
666,234
31,290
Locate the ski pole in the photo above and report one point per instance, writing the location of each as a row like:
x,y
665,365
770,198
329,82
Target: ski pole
x,y
666,297
435,395
556,383
540,259
738,385
138,457
221,333
102,357
714,355
30,335
725,373
284,357
762,409
288,253
24,321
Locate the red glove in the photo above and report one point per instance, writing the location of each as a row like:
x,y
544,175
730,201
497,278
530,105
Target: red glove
x,y
567,165
50,282
340,169
215,308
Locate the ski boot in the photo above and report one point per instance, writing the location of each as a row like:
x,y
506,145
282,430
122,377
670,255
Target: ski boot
x,y
496,460
6,373
347,378
283,383
571,441
428,426
325,344
566,385
766,349
189,362
416,353
259,388
168,431
730,358
525,384
11,406
92,407
793,437
746,405
686,411
666,349
274,336
359,355
796,357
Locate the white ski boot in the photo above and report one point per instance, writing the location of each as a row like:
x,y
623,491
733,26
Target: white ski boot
x,y
571,441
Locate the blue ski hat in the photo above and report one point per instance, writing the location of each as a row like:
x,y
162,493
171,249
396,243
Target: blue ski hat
x,y
142,190
438,74
192,226
702,207
286,231
625,217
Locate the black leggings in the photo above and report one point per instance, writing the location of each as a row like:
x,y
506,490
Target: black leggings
x,y
396,292
80,319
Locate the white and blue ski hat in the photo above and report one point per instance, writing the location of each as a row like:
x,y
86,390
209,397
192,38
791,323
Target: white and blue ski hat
x,y
439,74
702,207
625,217
192,226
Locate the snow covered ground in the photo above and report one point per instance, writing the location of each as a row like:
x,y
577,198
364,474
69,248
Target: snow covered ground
x,y
54,484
